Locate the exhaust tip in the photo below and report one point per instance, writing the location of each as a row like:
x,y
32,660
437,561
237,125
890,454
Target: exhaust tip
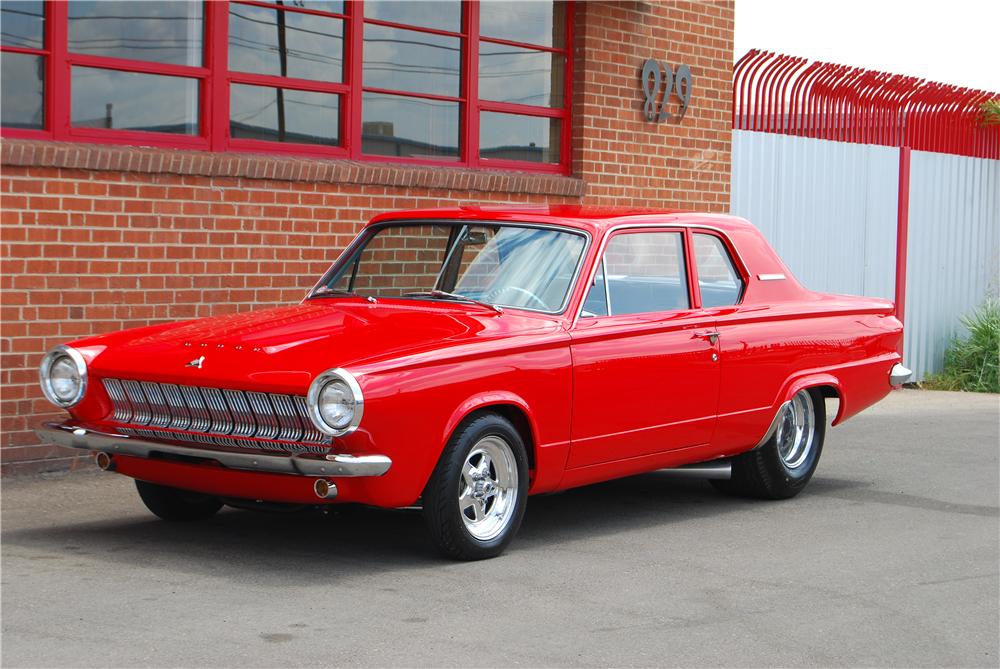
x,y
104,462
325,489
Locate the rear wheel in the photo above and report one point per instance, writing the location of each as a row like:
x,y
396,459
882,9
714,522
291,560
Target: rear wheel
x,y
782,467
175,504
475,499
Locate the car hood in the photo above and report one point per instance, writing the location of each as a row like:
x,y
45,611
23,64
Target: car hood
x,y
283,349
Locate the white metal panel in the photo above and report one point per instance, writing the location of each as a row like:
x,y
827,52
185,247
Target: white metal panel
x,y
828,208
953,250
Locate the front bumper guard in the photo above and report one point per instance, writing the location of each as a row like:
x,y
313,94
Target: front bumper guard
x,y
899,375
302,464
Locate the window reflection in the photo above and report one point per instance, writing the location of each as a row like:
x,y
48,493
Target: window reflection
x,y
22,24
284,115
524,76
165,31
133,101
287,44
441,15
515,137
21,87
526,21
396,125
407,60
318,5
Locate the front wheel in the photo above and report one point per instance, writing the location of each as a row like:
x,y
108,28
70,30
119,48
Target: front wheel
x,y
475,499
175,504
782,467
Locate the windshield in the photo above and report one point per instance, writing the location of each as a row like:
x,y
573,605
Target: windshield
x,y
497,264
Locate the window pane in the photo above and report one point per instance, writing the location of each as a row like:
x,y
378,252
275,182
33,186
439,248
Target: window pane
x,y
515,137
162,31
284,115
718,280
287,44
23,24
133,101
596,302
529,22
397,260
439,15
646,273
318,5
406,60
524,76
393,125
21,98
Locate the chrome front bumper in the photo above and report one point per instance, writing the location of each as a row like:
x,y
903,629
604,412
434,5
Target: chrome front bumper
x,y
899,375
303,464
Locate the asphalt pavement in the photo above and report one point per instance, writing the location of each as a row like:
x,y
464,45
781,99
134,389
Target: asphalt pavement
x,y
889,558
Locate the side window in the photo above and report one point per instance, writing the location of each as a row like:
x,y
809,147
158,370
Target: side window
x,y
720,283
642,272
596,303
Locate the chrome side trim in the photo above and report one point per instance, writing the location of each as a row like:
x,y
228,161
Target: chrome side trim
x,y
718,469
899,375
771,277
303,464
773,426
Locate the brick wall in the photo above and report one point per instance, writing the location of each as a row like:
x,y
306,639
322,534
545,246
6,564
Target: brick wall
x,y
99,238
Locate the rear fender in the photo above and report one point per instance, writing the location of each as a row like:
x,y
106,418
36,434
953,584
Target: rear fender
x,y
813,380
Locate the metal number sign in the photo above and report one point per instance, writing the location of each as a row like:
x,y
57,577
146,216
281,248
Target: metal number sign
x,y
676,83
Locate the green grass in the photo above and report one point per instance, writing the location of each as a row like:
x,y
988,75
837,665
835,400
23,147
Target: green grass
x,y
971,362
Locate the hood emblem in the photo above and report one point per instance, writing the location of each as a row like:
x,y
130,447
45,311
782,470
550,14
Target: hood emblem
x,y
197,362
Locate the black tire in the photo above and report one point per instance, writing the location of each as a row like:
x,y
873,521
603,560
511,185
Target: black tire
x,y
175,504
442,513
763,474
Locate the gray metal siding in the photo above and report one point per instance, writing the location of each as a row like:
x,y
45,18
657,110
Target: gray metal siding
x,y
829,209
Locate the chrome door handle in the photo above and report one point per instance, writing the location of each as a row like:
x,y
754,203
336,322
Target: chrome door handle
x,y
712,337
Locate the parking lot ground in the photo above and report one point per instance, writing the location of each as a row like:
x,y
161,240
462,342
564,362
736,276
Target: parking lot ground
x,y
890,557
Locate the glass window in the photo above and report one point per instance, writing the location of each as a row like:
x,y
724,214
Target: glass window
x,y
526,21
596,302
286,44
435,14
407,60
508,265
524,76
165,31
332,6
22,83
23,24
720,284
646,273
395,125
134,101
516,137
284,115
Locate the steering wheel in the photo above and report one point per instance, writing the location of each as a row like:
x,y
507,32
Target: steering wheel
x,y
493,294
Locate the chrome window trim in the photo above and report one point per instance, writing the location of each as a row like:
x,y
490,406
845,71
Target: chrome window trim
x,y
771,277
312,401
348,252
665,224
45,371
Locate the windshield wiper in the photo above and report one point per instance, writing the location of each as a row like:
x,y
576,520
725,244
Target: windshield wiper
x,y
444,295
330,292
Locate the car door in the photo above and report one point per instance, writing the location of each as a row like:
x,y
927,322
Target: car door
x,y
645,358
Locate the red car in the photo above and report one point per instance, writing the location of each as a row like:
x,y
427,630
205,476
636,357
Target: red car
x,y
463,359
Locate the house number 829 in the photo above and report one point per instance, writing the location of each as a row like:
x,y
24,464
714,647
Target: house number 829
x,y
678,83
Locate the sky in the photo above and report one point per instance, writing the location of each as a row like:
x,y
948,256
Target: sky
x,y
953,42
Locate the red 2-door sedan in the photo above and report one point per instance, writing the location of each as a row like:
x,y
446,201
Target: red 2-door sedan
x,y
463,359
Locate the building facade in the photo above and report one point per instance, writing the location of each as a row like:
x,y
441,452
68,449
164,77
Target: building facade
x,y
173,160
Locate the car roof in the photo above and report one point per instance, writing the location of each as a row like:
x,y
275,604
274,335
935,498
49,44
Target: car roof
x,y
595,220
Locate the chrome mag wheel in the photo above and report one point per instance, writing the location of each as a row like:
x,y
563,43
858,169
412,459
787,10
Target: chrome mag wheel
x,y
796,431
487,489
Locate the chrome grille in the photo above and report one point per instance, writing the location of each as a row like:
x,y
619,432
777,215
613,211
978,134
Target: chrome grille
x,y
213,413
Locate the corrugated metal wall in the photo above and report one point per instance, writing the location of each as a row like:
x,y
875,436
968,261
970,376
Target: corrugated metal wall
x,y
953,252
829,209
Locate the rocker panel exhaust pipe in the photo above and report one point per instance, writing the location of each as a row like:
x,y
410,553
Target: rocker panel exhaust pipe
x,y
721,470
104,461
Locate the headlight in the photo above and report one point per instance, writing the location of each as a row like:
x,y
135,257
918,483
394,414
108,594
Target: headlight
x,y
335,402
63,375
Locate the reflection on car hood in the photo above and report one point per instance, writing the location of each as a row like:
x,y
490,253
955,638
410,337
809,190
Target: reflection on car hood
x,y
285,348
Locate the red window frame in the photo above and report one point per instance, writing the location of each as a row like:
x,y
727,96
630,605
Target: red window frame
x,y
215,78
